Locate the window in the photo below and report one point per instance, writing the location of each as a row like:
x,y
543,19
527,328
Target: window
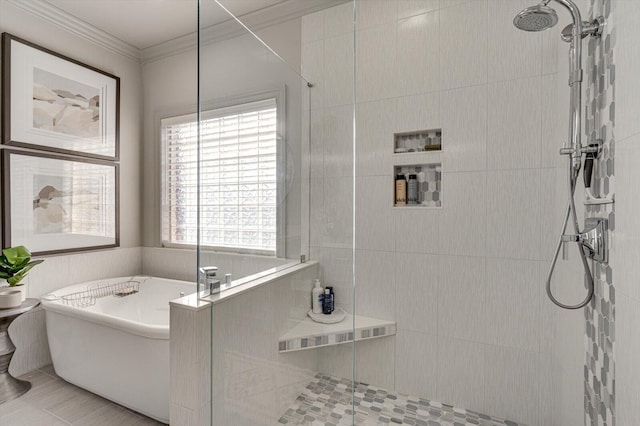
x,y
238,178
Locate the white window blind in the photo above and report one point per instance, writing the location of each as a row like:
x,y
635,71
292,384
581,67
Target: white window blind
x,y
238,178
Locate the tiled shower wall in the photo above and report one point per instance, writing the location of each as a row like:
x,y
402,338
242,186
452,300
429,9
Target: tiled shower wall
x,y
626,248
464,282
600,314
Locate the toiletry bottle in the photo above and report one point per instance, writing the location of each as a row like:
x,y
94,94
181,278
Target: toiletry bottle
x,y
401,190
327,302
333,298
412,190
316,297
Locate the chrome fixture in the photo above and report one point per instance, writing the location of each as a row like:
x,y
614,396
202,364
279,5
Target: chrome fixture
x,y
227,280
536,18
593,28
592,240
208,281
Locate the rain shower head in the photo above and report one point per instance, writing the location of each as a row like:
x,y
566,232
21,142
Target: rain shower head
x,y
536,18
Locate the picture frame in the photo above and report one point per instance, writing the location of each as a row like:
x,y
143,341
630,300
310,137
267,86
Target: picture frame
x,y
54,103
58,204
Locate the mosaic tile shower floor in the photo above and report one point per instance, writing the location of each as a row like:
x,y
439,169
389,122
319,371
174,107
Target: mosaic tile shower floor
x,y
327,401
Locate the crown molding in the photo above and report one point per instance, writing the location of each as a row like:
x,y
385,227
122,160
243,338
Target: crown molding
x,y
255,21
66,21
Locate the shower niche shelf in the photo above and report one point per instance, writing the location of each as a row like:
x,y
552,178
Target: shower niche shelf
x,y
308,334
429,183
418,141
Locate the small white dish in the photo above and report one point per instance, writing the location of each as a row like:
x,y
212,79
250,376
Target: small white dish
x,y
336,316
10,299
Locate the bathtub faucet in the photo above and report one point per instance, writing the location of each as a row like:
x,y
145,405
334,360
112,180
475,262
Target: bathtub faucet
x,y
209,284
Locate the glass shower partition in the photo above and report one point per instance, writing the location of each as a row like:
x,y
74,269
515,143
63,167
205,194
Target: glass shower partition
x,y
275,210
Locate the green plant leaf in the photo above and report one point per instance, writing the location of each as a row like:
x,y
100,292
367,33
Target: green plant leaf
x,y
16,255
15,263
15,280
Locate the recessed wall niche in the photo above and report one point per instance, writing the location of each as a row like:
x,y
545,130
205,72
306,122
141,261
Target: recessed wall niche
x,y
417,173
428,182
418,141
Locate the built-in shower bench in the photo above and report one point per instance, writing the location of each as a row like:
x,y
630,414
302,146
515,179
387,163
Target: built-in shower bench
x,y
309,334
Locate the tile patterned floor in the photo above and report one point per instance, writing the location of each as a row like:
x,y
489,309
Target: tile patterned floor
x,y
327,401
54,402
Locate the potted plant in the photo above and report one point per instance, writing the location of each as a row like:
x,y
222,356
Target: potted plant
x,y
15,264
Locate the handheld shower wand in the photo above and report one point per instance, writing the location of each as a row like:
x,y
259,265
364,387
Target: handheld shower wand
x,y
591,240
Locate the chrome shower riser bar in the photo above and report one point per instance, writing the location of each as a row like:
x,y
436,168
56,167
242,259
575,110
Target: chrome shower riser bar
x,y
591,241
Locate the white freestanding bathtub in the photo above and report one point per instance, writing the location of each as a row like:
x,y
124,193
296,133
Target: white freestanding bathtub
x,y
119,347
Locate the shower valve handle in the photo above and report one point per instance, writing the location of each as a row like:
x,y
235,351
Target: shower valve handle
x,y
593,239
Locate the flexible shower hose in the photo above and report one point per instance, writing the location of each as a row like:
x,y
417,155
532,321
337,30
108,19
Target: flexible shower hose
x,y
571,211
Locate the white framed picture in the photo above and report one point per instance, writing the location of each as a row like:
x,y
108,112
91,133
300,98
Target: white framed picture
x,y
56,204
55,103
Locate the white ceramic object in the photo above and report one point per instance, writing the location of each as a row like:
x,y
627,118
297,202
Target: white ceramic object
x,y
22,289
336,316
119,347
10,298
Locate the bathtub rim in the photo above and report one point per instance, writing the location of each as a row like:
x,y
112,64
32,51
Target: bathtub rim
x,y
150,331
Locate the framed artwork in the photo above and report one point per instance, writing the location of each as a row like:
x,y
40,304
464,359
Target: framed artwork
x,y
54,103
56,204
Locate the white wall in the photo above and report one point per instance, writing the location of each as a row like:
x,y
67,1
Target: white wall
x,y
59,271
465,282
626,247
230,68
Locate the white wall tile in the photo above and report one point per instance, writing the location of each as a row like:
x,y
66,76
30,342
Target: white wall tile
x,y
627,367
50,275
336,269
370,13
316,145
464,211
337,360
562,347
626,249
551,44
339,20
513,304
513,218
374,227
338,229
464,39
514,124
418,54
416,277
513,53
416,230
512,381
338,141
554,98
416,363
312,28
375,123
627,68
338,70
313,72
464,128
375,361
375,284
376,59
417,112
461,298
461,373
407,8
316,212
97,265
